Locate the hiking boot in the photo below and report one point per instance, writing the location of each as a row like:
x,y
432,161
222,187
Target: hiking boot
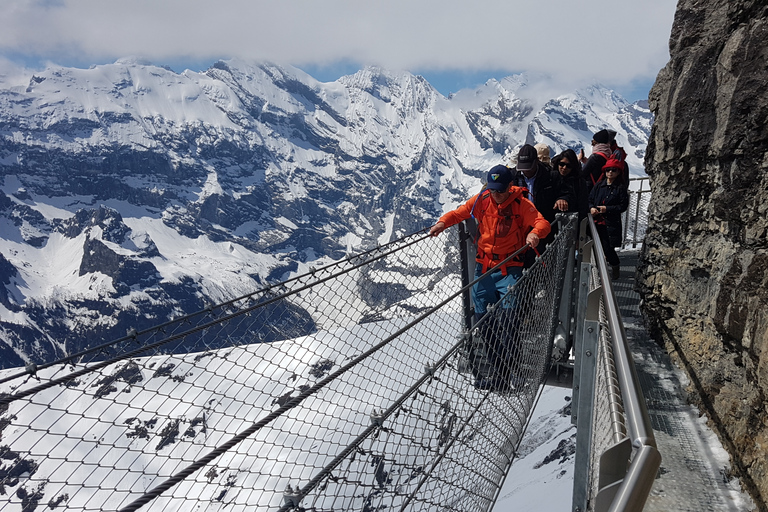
x,y
474,357
518,382
615,272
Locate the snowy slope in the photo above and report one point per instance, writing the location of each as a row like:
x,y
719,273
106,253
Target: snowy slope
x,y
541,478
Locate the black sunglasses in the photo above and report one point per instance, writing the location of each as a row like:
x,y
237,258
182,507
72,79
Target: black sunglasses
x,y
563,164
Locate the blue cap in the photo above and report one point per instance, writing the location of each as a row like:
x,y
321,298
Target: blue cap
x,y
499,177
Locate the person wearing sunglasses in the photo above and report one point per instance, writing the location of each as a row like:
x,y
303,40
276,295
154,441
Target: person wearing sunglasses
x,y
608,199
569,167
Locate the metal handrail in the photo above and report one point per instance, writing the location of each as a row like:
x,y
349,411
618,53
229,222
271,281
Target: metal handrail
x,y
636,486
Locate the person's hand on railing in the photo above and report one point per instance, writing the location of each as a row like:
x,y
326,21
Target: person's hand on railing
x,y
438,228
532,239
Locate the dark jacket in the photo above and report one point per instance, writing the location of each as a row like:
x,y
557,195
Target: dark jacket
x,y
616,200
547,189
592,169
574,181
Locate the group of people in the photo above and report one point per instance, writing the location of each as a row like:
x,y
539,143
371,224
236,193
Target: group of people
x,y
516,207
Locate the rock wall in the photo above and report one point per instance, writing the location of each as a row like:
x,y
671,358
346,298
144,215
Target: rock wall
x,y
704,267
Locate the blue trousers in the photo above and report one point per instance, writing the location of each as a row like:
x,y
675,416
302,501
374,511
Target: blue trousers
x,y
493,287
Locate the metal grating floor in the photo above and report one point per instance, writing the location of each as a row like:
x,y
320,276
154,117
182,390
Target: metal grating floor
x,y
694,467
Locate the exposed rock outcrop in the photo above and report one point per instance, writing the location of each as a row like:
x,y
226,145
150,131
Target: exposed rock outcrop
x,y
704,271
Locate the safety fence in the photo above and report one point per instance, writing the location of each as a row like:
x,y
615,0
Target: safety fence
x,y
635,219
614,437
349,387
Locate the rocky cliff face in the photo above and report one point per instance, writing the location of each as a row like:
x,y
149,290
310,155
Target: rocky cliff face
x,y
704,274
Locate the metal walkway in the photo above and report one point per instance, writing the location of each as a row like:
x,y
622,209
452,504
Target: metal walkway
x,y
694,470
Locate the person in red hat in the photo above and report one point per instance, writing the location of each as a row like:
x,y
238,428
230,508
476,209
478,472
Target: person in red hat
x,y
608,199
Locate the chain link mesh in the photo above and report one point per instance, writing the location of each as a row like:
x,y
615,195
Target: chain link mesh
x,y
635,219
348,387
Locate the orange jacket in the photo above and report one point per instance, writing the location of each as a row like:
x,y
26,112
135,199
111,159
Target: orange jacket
x,y
502,227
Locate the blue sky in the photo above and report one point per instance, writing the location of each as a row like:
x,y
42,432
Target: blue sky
x,y
453,44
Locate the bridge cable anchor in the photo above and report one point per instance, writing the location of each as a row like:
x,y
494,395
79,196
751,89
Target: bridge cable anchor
x,y
377,419
291,496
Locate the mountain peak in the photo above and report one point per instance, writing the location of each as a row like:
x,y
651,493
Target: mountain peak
x,y
133,61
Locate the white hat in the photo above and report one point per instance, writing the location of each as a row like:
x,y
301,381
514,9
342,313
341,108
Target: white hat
x,y
543,151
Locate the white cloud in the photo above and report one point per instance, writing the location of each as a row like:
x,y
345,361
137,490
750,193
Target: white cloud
x,y
13,75
611,41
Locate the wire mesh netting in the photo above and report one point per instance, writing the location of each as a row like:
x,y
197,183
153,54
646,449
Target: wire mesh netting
x,y
609,452
350,387
635,219
608,423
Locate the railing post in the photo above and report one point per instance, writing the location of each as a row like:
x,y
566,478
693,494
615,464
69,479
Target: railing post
x,y
466,248
564,330
625,223
588,366
636,486
580,311
613,469
637,216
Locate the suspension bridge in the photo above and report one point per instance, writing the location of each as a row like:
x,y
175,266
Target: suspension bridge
x,y
347,387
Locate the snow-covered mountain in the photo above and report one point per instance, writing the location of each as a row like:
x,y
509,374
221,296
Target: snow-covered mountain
x,y
131,194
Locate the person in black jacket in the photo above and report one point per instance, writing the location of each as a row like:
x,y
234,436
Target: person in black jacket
x,y
567,164
546,189
608,199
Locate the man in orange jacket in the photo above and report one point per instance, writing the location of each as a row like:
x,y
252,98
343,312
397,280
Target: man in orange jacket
x,y
506,221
